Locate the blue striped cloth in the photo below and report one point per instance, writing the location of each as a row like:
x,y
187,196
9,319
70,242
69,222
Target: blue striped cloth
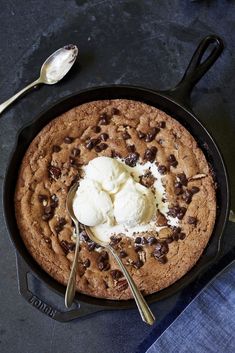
x,y
207,325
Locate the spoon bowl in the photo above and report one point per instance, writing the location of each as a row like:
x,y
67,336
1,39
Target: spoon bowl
x,y
58,64
52,71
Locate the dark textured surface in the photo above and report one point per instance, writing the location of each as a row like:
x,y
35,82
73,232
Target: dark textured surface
x,y
137,42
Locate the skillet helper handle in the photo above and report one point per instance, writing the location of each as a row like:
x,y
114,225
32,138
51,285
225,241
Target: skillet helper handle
x,y
212,46
45,308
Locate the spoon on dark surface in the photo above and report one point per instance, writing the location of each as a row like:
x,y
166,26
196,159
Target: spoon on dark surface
x,y
144,310
52,71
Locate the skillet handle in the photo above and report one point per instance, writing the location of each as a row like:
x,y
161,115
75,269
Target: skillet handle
x,y
48,309
212,46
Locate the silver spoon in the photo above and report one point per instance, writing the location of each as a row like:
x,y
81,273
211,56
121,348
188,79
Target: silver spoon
x,y
71,286
145,312
52,71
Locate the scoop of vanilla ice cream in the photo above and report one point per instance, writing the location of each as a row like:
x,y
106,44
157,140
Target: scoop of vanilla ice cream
x,y
133,204
92,206
108,172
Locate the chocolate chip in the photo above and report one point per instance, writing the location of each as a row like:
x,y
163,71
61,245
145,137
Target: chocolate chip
x,y
178,191
104,136
152,240
176,230
157,253
181,212
141,135
169,240
59,227
115,154
115,111
104,120
152,134
138,264
104,266
158,246
175,237
130,148
114,240
47,216
192,220
182,178
91,246
187,196
162,259
71,246
137,240
42,198
147,179
182,236
162,169
123,254
96,128
172,160
101,265
116,274
173,211
161,249
126,136
104,116
103,146
68,139
164,248
86,263
176,233
54,201
144,241
103,256
195,189
48,209
56,148
150,154
137,247
75,152
54,172
132,159
85,236
72,161
98,149
177,211
162,124
89,145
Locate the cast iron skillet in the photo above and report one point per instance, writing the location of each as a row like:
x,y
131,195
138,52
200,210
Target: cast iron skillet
x,y
176,102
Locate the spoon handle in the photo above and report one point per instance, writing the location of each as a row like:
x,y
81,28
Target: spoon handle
x,y
70,290
144,310
4,105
